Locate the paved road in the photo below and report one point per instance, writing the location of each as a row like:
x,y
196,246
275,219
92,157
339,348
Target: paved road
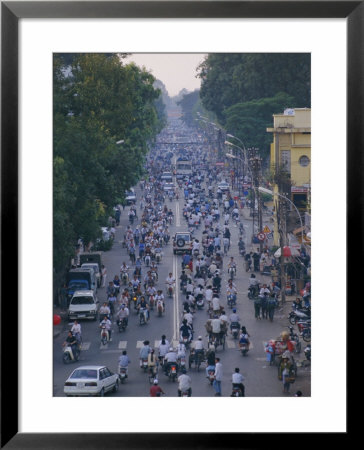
x,y
260,378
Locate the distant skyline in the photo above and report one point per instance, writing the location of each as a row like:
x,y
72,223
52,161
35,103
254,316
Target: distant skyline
x,y
175,70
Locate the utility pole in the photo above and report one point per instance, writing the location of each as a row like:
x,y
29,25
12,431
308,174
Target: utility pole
x,y
255,168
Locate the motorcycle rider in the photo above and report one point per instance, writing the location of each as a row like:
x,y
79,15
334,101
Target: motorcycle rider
x,y
186,331
124,272
104,310
244,337
123,313
152,363
234,319
106,321
241,245
237,380
216,307
232,265
170,281
144,352
156,390
124,361
163,348
169,359
143,305
210,356
231,290
76,331
72,342
184,383
253,285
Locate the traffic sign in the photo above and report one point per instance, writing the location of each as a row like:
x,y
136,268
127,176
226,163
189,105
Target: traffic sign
x,y
266,229
261,236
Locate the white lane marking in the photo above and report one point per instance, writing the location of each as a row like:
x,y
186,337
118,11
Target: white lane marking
x,y
231,344
178,219
175,343
139,344
156,344
123,344
85,346
176,299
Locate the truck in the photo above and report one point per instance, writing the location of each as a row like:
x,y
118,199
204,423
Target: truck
x,y
91,257
79,280
183,167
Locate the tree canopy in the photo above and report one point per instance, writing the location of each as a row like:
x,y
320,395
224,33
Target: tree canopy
x,y
98,102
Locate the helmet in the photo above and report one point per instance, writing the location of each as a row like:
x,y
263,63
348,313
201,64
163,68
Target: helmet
x,y
200,337
184,370
155,381
171,349
234,310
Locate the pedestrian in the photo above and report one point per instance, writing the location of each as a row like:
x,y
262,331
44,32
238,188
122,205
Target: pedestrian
x,y
103,275
272,303
264,305
257,305
218,377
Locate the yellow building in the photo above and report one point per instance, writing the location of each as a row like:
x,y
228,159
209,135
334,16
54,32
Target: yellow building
x,y
291,151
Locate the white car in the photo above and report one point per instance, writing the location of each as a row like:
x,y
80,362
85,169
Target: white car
x,y
224,186
83,305
91,380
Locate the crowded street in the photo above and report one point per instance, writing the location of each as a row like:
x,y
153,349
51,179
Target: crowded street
x,y
191,231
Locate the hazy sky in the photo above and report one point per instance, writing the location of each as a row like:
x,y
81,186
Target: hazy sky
x,y
175,70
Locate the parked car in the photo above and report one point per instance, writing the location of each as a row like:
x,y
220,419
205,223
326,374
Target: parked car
x,y
83,305
91,380
182,242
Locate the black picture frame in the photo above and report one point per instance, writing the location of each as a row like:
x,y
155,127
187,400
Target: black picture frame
x,y
11,12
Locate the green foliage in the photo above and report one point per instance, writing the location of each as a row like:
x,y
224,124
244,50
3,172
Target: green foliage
x,y
249,120
97,101
230,78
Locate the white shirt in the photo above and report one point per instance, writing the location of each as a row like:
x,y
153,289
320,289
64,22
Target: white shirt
x,y
215,303
170,280
208,294
184,382
237,378
216,325
171,357
199,345
76,328
189,318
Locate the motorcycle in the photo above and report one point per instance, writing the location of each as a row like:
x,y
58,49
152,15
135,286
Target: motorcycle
x,y
69,355
196,252
160,308
241,229
182,362
294,337
158,257
211,376
185,341
236,392
144,364
307,352
235,329
122,324
172,372
143,319
151,302
125,278
242,252
104,335
170,290
230,300
244,348
185,393
253,292
147,260
123,374
200,303
298,314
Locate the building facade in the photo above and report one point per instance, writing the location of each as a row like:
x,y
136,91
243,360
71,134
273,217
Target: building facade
x,y
291,152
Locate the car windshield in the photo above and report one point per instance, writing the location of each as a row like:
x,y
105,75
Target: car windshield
x,y
85,373
89,266
78,286
82,301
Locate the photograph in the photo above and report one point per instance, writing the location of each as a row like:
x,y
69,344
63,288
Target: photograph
x,y
182,224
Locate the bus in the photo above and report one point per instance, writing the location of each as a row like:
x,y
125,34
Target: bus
x,y
183,168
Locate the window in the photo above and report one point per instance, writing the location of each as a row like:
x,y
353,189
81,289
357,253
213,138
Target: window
x,y
304,161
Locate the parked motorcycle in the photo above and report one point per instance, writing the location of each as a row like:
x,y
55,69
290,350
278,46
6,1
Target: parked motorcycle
x,y
299,314
295,338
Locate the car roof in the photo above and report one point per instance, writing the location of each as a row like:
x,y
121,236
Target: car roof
x,y
85,292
